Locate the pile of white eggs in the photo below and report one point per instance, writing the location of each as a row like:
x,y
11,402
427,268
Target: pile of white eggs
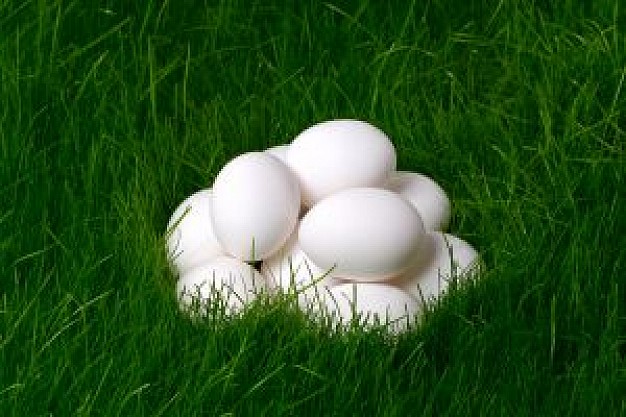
x,y
326,218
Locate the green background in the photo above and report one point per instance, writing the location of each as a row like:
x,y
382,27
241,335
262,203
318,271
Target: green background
x,y
111,115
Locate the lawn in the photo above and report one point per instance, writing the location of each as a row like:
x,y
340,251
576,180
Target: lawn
x,y
111,115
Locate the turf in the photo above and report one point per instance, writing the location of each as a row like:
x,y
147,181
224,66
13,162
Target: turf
x,y
110,115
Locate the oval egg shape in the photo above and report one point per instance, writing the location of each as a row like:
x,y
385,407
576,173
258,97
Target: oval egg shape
x,y
289,270
371,304
236,282
441,258
365,234
255,205
191,240
334,155
428,197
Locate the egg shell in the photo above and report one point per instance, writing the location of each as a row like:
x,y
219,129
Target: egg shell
x,y
366,234
255,205
371,302
441,258
236,282
430,200
279,151
191,240
334,155
290,271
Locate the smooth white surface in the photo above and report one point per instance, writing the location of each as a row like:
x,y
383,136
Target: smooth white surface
x,y
279,151
331,156
366,233
289,270
430,200
255,198
440,256
191,240
373,301
237,283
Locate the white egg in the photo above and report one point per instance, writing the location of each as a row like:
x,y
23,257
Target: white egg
x,y
290,271
366,234
255,205
236,282
425,194
372,303
191,240
279,151
338,154
441,258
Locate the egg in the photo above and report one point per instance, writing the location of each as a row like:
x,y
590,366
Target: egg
x,y
191,240
255,205
441,258
334,155
366,234
425,194
372,303
290,271
236,282
279,151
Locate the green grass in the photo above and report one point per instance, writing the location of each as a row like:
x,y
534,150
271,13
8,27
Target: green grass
x,y
111,115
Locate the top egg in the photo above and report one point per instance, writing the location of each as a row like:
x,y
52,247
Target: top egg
x,y
255,205
335,155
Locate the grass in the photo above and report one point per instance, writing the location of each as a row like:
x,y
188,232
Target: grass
x,y
110,115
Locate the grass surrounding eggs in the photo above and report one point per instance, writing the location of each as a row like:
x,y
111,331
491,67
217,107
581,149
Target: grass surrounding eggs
x,y
111,113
